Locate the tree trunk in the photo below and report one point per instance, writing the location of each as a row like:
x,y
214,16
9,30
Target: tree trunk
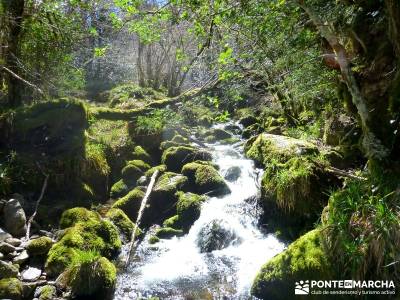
x,y
14,10
373,147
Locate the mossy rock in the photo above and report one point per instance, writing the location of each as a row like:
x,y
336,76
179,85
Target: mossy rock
x,y
204,178
173,222
188,209
248,121
304,259
175,157
94,279
268,147
160,168
97,235
119,189
140,154
250,131
122,221
11,288
168,232
8,270
180,139
48,292
163,197
130,203
153,240
140,164
131,173
77,214
168,144
39,246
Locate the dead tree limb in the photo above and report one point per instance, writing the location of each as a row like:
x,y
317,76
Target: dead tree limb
x,y
22,79
140,213
29,224
343,173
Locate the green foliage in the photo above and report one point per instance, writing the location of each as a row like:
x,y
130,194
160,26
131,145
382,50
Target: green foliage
x,y
155,121
363,227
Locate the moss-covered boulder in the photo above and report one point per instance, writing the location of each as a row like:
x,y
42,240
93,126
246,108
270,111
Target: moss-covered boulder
x,y
163,198
204,178
141,154
188,209
133,170
39,246
95,234
8,270
11,288
47,292
251,130
77,214
95,279
161,169
122,221
119,189
175,157
304,259
248,121
168,232
130,203
268,147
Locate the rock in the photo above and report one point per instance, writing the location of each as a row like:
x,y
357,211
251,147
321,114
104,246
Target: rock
x,y
175,157
94,279
336,128
168,232
14,218
46,292
7,248
233,128
31,274
233,173
252,130
216,236
204,178
39,246
8,270
4,235
13,241
119,189
130,203
28,288
140,154
1,255
21,258
45,233
248,121
77,214
122,222
305,258
11,288
188,209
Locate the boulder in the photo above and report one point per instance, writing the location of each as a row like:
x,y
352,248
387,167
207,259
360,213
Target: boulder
x,y
122,222
7,248
11,288
77,214
8,270
13,241
46,292
305,258
168,232
248,121
188,209
140,154
14,218
130,203
119,189
21,258
204,178
39,246
31,274
216,235
175,157
4,235
233,173
95,279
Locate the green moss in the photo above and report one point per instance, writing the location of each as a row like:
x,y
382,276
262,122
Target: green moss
x,y
96,160
119,189
229,141
304,259
160,168
167,232
47,292
131,173
153,240
94,278
173,222
122,221
188,208
140,154
78,214
10,288
205,179
175,157
169,182
39,246
97,235
168,144
140,164
130,203
180,139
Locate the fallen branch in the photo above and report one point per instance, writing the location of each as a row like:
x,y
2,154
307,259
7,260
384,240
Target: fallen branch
x,y
22,79
140,213
29,224
339,172
126,115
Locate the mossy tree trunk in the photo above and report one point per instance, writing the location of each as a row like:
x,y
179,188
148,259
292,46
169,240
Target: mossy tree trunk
x,y
373,146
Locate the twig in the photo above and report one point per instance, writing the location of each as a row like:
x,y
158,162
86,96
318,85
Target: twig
x,y
36,207
142,206
23,80
344,173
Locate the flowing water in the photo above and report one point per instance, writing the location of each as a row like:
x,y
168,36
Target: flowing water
x,y
176,269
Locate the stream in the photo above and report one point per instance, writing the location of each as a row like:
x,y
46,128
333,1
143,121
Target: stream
x,y
176,268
